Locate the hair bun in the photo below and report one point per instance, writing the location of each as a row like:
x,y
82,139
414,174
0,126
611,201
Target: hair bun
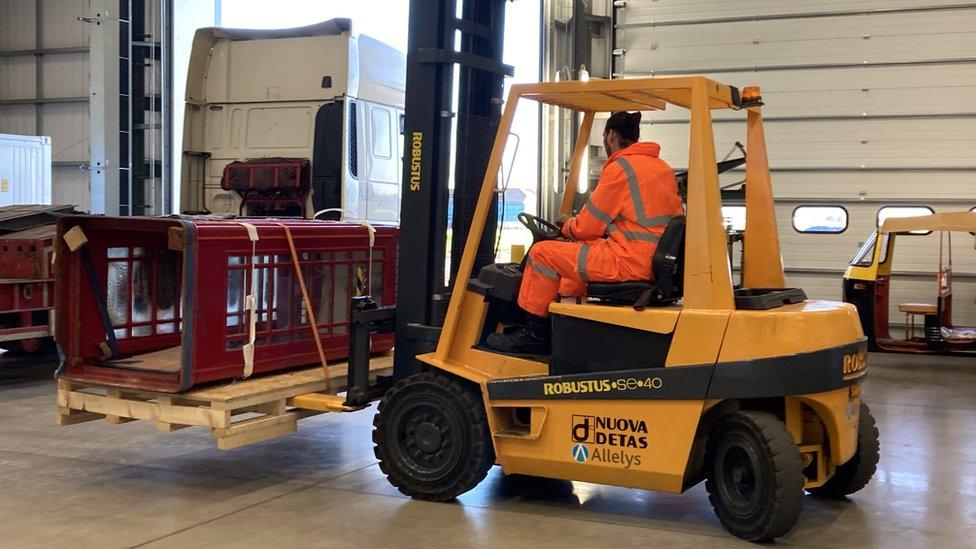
x,y
626,124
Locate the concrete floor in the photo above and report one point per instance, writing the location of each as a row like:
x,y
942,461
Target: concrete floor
x,y
101,485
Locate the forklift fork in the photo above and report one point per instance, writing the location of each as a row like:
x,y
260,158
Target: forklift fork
x,y
367,318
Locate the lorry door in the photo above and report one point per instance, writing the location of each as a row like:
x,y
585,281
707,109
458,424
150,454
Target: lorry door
x,y
379,183
327,152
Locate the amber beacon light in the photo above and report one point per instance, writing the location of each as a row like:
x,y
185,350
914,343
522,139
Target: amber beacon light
x,y
751,93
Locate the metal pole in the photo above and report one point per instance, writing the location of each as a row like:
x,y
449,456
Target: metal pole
x,y
38,66
168,103
105,96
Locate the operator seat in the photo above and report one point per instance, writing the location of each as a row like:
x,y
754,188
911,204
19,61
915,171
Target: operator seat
x,y
667,266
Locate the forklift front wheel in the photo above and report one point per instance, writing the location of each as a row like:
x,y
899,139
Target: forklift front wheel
x,y
755,480
431,437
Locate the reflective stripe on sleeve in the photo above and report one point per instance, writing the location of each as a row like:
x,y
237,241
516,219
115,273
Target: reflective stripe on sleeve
x,y
598,213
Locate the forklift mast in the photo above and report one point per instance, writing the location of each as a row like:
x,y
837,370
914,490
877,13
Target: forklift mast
x,y
422,290
480,89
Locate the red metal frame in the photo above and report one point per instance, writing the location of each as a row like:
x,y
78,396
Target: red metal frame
x,y
885,341
26,288
213,262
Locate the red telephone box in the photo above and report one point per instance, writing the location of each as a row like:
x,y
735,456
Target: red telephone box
x,y
173,293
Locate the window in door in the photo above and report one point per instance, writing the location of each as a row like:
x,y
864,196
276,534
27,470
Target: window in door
x,y
887,212
380,132
821,219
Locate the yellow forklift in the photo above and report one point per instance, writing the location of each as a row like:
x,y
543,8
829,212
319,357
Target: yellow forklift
x,y
651,384
655,384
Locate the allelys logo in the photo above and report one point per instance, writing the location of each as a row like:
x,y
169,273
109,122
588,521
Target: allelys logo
x,y
581,453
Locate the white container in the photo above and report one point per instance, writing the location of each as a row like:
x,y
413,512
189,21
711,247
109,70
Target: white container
x,y
25,169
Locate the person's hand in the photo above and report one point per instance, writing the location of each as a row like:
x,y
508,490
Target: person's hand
x,y
560,221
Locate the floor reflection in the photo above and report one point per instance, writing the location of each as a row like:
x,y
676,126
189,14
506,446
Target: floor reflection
x,y
326,474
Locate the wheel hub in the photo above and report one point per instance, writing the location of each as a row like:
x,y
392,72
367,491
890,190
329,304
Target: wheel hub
x,y
429,437
739,479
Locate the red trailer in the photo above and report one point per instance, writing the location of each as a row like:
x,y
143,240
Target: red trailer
x,y
161,304
26,275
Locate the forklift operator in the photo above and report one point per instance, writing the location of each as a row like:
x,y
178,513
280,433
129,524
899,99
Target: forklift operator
x,y
612,239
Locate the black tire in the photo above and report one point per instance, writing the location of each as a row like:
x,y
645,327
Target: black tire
x,y
431,437
755,476
857,472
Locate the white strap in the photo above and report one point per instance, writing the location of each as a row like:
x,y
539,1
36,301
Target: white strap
x,y
372,232
250,304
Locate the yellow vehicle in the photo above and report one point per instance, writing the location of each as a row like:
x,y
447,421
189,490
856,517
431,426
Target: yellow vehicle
x,y
867,284
757,391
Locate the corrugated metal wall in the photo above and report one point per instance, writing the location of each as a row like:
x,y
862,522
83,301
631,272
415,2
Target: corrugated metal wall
x,y
44,85
868,103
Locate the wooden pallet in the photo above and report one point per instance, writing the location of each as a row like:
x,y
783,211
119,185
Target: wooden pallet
x,y
239,413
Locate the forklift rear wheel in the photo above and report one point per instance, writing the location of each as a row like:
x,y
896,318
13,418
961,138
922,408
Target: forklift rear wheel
x,y
755,480
431,437
855,474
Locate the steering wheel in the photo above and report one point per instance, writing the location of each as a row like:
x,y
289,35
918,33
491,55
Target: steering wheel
x,y
540,228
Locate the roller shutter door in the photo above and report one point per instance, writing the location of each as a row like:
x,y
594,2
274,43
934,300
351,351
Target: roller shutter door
x,y
868,103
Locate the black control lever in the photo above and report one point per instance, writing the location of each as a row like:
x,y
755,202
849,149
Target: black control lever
x,y
723,166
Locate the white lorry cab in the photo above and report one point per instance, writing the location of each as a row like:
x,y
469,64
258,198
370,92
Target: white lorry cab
x,y
292,122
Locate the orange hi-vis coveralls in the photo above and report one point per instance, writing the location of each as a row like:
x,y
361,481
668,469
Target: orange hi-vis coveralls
x,y
615,234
